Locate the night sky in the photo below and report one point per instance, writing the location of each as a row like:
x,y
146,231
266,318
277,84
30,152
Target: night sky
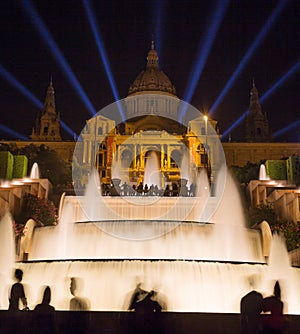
x,y
180,30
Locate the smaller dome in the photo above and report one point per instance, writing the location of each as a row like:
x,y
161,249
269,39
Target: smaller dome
x,y
152,79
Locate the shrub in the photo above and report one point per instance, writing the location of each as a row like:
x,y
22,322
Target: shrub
x,y
18,229
291,232
42,211
6,165
262,212
20,166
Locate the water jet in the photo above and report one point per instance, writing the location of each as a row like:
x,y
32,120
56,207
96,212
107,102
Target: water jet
x,y
35,171
263,173
111,241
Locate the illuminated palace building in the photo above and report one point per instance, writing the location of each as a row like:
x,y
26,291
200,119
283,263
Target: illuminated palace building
x,y
120,138
150,131
151,112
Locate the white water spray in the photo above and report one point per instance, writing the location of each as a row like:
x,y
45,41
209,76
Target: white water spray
x,y
35,171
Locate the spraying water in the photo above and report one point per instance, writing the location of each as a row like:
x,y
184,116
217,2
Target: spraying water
x,y
184,168
35,172
263,173
198,267
152,175
7,256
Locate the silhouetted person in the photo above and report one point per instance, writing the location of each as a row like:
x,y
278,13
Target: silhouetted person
x,y
276,322
193,190
146,189
167,191
251,306
147,315
140,189
151,191
17,293
126,189
174,189
138,294
77,303
44,315
78,321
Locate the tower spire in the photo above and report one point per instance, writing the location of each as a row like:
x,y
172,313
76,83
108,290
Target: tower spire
x,y
47,125
49,105
256,123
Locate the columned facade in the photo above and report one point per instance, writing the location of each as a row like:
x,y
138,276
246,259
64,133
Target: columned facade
x,y
124,156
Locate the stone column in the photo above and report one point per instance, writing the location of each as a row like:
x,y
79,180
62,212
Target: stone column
x,y
162,156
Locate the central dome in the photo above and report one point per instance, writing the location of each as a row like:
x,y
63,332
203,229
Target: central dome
x,y
152,79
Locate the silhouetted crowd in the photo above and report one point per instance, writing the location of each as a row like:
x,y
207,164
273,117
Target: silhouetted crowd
x,y
258,315
125,189
272,321
43,320
147,309
144,303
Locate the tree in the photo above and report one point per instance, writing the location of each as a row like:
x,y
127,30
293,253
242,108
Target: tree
x,y
248,172
244,175
262,212
51,165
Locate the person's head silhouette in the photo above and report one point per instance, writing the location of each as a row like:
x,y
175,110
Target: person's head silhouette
x,y
277,290
19,275
76,286
73,286
47,295
78,303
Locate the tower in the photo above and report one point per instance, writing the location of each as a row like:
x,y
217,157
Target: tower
x,y
256,123
47,124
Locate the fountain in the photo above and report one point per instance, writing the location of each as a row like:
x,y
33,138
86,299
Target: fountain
x,y
35,172
194,250
263,173
184,167
152,175
126,239
7,257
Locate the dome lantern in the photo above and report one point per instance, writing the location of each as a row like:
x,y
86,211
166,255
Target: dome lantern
x,y
152,79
